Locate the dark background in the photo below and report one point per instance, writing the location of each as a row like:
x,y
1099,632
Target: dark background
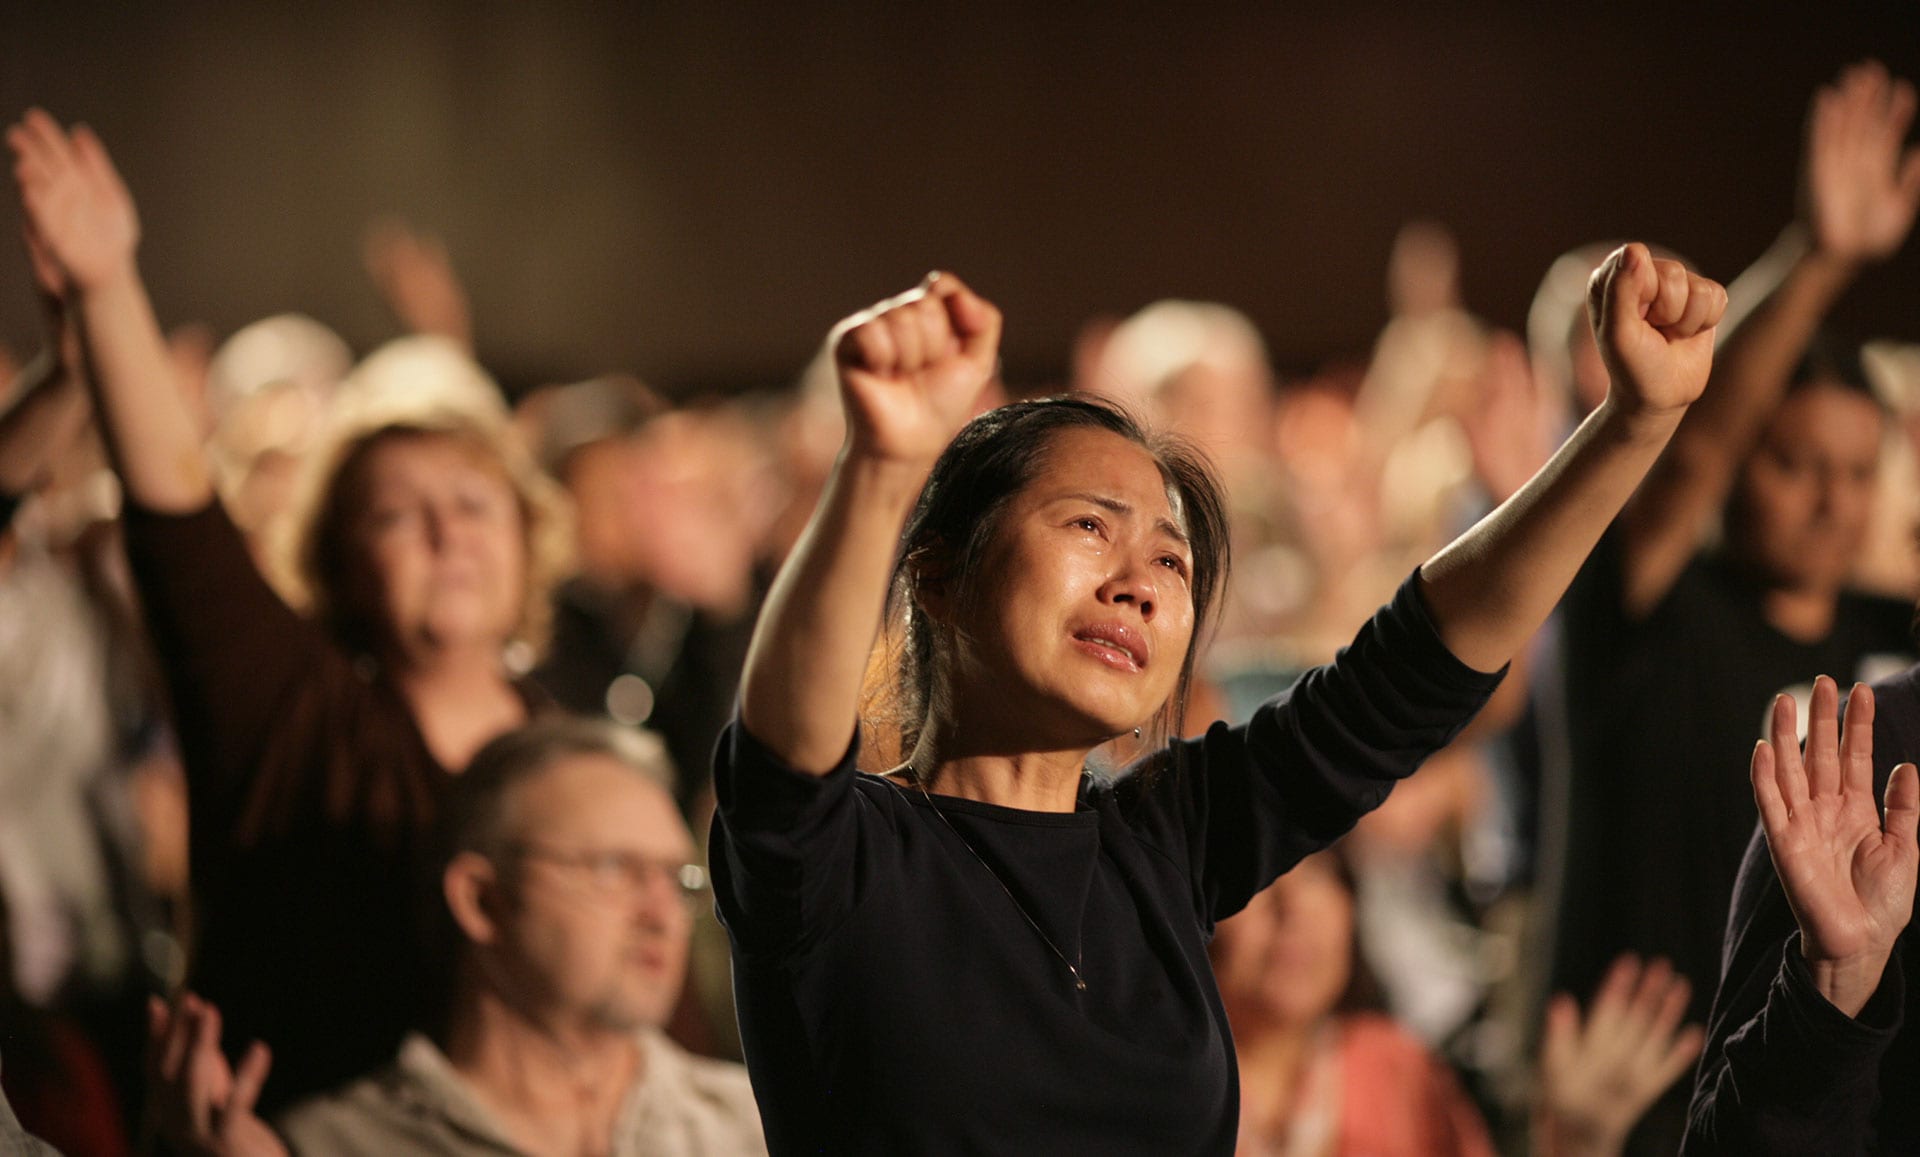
x,y
697,191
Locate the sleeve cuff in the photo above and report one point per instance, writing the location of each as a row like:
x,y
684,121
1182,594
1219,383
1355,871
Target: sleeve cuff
x,y
1830,1049
1406,626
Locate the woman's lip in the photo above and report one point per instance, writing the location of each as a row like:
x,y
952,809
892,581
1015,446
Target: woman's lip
x,y
1113,656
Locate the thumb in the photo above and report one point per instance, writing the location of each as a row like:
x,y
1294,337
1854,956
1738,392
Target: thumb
x,y
1631,288
1903,804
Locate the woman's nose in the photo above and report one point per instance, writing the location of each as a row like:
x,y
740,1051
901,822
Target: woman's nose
x,y
1133,586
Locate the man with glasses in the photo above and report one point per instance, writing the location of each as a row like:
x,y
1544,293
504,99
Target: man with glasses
x,y
569,883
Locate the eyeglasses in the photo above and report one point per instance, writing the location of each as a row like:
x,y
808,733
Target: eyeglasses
x,y
624,874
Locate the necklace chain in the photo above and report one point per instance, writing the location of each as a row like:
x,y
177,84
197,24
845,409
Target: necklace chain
x,y
1079,981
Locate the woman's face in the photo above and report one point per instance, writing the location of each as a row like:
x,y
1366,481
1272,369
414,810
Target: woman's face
x,y
1286,959
441,534
1085,608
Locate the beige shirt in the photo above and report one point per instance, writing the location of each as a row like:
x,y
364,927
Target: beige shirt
x,y
683,1106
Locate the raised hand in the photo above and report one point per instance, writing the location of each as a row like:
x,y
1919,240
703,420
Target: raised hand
x,y
1848,877
912,366
201,1105
1861,188
416,277
1599,1075
1654,322
77,207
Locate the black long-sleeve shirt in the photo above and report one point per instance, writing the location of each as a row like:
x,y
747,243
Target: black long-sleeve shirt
x,y
894,998
1784,1071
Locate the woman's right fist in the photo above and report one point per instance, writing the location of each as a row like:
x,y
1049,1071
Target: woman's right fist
x,y
912,367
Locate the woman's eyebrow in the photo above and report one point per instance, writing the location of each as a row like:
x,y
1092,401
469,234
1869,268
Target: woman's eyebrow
x,y
1106,502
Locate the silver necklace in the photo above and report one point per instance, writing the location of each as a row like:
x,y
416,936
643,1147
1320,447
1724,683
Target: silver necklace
x,y
1073,967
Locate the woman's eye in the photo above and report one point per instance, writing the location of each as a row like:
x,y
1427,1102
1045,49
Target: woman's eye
x,y
1088,524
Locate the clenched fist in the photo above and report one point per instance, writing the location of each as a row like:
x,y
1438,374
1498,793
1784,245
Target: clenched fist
x,y
1654,323
912,367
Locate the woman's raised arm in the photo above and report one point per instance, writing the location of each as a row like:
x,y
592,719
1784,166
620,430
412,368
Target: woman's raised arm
x,y
77,206
910,370
1491,588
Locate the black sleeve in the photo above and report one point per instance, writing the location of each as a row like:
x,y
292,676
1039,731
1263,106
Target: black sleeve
x,y
229,647
1243,804
783,847
1784,1071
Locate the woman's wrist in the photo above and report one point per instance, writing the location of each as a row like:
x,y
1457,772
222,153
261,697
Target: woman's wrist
x,y
1847,982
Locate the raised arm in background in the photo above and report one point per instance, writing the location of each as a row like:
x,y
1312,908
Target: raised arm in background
x,y
1491,588
78,207
910,370
48,404
1859,190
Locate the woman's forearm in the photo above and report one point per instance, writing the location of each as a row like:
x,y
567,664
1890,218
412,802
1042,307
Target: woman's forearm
x,y
801,690
145,421
1492,588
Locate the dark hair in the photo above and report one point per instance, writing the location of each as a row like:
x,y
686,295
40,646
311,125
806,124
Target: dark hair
x,y
958,516
1831,360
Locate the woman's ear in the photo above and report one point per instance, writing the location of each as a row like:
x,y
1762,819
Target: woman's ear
x,y
471,886
932,592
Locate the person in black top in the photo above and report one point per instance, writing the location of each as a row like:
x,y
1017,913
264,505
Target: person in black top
x,y
986,950
1806,1051
1674,649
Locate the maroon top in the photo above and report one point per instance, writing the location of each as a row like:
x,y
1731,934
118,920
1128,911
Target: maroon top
x,y
312,796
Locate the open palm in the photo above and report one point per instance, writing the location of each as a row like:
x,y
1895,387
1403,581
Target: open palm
x,y
1862,186
912,367
1848,877
77,208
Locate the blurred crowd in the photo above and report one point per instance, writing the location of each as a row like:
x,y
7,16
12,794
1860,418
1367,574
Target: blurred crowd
x,y
358,716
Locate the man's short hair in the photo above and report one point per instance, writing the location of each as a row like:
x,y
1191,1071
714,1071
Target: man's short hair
x,y
476,820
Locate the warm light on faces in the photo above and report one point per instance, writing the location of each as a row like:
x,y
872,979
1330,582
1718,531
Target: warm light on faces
x,y
1286,959
442,533
1084,613
1804,498
601,949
